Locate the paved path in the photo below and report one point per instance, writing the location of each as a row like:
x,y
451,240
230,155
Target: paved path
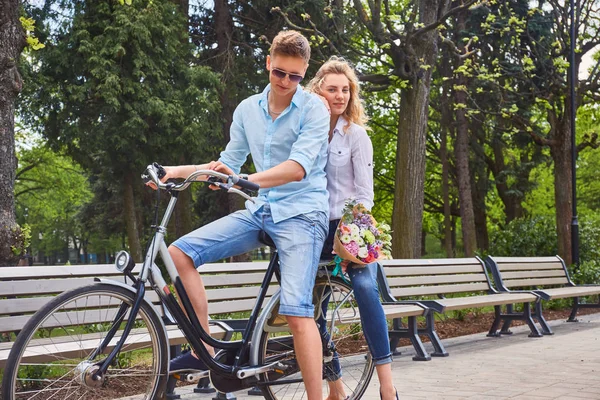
x,y
563,366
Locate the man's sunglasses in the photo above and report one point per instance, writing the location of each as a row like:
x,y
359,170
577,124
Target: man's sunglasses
x,y
282,74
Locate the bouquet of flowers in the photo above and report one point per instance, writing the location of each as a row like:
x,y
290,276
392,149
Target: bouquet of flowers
x,y
359,238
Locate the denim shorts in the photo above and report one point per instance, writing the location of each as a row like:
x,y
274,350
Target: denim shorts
x,y
299,241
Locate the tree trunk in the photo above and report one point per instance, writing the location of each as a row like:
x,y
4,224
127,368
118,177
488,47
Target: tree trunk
x,y
560,151
445,70
133,238
479,183
513,208
12,42
446,193
226,62
407,220
461,154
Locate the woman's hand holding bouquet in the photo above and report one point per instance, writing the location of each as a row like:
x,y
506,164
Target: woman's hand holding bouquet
x,y
359,238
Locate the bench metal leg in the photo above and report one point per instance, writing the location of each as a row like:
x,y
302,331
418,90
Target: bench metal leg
x,y
255,391
174,350
577,306
574,310
395,338
439,350
224,396
527,314
493,332
204,386
542,321
505,330
413,331
170,393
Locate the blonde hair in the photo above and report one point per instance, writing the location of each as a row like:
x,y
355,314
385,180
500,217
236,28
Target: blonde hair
x,y
291,43
355,112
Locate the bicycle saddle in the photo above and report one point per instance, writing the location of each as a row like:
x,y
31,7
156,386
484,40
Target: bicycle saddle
x,y
266,239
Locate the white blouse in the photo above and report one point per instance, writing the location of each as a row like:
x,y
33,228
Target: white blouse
x,y
349,167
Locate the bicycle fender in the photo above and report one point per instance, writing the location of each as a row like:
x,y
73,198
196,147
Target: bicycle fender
x,y
133,291
262,318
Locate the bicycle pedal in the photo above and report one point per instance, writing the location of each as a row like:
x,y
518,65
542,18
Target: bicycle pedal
x,y
190,377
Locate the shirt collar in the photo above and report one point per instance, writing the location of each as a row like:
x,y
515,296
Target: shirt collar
x,y
297,100
339,126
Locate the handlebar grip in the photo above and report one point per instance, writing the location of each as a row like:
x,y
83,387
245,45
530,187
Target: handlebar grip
x,y
246,184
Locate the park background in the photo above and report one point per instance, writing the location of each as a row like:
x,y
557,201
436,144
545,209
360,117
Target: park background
x,y
469,103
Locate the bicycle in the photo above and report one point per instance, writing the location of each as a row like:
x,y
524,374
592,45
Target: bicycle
x,y
133,349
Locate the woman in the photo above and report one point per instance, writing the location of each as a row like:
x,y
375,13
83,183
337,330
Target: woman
x,y
350,175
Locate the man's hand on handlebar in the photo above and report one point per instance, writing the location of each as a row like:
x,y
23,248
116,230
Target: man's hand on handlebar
x,y
218,174
170,173
219,167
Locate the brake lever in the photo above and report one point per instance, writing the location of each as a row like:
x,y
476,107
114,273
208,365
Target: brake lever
x,y
241,193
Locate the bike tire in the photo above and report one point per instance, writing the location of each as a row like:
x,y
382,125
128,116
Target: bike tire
x,y
276,343
49,359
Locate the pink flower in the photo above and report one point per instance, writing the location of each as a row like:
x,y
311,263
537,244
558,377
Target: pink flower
x,y
345,230
352,248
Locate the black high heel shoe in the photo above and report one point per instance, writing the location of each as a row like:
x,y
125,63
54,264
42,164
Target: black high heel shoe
x,y
381,397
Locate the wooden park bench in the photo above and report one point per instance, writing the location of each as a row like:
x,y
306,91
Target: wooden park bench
x,y
546,276
448,285
231,289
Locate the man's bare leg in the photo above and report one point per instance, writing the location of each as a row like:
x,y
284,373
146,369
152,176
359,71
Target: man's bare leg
x,y
309,352
194,287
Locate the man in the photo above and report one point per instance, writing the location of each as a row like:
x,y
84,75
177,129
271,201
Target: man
x,y
285,129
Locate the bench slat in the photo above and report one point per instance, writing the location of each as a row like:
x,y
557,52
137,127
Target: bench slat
x,y
437,270
572,291
234,279
552,273
460,303
434,290
230,268
431,262
45,286
42,352
534,282
59,271
237,293
526,259
436,279
529,266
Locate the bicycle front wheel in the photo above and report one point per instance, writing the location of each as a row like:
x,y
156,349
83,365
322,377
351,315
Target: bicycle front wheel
x,y
56,354
276,344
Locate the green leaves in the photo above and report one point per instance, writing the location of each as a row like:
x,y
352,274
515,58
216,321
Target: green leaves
x,y
29,27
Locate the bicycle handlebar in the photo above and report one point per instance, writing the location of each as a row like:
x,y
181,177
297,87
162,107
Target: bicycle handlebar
x,y
154,173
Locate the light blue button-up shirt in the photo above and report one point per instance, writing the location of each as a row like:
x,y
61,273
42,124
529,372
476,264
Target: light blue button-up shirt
x,y
300,133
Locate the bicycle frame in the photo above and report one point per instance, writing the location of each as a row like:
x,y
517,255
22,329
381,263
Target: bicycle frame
x,y
187,321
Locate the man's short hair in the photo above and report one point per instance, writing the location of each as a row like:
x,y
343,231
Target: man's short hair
x,y
291,43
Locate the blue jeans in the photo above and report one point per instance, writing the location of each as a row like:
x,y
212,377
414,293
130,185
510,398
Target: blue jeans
x,y
299,241
366,292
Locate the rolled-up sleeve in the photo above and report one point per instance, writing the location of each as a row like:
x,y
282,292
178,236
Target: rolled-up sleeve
x,y
362,164
312,136
237,150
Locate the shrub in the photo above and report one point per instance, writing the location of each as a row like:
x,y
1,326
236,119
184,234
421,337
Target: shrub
x,y
536,237
526,237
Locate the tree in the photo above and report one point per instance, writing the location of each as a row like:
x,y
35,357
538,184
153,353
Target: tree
x,y
119,92
50,191
12,42
539,42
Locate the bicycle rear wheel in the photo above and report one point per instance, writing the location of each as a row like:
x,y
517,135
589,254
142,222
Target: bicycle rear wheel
x,y
52,356
276,344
